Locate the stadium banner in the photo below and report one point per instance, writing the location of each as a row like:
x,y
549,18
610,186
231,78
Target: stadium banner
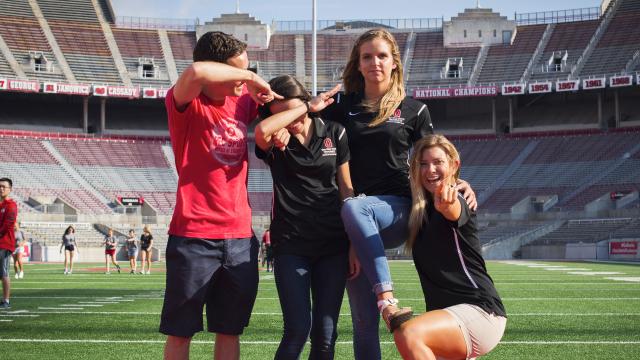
x,y
162,93
66,89
623,248
595,83
567,85
150,93
123,92
540,88
513,89
621,80
99,90
443,93
19,85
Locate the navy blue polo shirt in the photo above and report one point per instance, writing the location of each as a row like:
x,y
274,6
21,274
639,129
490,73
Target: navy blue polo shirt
x,y
380,154
448,258
306,213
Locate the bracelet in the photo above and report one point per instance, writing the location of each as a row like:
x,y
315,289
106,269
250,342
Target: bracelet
x,y
306,103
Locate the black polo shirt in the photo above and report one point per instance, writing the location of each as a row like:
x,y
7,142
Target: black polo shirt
x,y
380,154
306,215
448,257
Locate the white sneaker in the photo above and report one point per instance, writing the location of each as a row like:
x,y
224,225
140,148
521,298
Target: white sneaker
x,y
21,274
17,275
70,272
148,272
66,272
107,272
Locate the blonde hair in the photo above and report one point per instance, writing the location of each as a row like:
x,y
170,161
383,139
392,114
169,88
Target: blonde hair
x,y
354,81
146,229
418,192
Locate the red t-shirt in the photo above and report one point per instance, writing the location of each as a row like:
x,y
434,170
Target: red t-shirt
x,y
210,148
266,238
8,216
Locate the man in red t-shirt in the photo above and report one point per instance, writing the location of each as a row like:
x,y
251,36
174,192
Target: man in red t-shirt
x,y
8,216
212,255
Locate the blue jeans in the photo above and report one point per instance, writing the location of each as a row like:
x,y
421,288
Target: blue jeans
x,y
310,291
373,223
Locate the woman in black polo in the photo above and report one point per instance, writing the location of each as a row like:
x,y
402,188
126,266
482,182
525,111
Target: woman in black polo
x,y
466,318
310,177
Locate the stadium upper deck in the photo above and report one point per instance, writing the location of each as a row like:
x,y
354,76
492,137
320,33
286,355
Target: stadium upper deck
x,y
80,43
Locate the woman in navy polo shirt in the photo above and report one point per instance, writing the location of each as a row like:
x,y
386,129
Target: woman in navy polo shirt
x,y
466,318
310,176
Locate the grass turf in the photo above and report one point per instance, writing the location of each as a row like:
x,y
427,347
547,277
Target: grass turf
x,y
89,315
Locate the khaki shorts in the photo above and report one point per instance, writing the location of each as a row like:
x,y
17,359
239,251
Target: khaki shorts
x,y
481,331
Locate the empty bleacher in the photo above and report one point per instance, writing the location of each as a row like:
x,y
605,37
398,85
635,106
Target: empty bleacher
x,y
15,8
75,10
572,38
507,63
618,44
430,57
24,36
278,59
585,231
182,45
137,44
86,51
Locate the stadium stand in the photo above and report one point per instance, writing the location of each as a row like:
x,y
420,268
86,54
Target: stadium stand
x,y
507,63
618,43
182,44
565,46
428,63
142,54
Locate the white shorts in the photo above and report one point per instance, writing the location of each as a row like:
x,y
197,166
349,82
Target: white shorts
x,y
481,331
18,250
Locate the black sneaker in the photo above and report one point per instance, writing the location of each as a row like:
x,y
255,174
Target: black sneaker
x,y
118,267
5,305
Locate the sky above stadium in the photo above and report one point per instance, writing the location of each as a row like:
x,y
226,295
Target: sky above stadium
x,y
268,10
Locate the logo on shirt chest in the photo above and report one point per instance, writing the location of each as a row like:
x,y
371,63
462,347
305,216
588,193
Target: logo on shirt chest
x,y
327,148
396,118
228,141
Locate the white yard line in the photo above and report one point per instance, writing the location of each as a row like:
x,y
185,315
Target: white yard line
x,y
111,341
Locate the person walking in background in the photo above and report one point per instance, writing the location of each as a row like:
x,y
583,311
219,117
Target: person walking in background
x,y
132,250
17,253
110,243
267,251
8,217
466,318
212,254
146,250
70,248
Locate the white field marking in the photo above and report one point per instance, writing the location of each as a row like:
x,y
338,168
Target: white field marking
x,y
625,278
591,273
569,269
544,266
6,320
209,342
18,315
280,314
71,305
98,302
54,308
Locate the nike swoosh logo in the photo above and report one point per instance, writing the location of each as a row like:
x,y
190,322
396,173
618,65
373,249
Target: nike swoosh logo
x,y
354,114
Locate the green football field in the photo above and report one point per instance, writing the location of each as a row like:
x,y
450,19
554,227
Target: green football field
x,y
557,310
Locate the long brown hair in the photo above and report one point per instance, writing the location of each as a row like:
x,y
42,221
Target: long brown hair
x,y
418,193
354,81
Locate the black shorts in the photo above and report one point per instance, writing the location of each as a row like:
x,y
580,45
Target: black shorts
x,y
70,248
221,274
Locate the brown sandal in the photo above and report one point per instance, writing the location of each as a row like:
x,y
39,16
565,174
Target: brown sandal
x,y
396,318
